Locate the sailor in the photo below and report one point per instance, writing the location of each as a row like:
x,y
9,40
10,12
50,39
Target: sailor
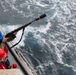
x,y
3,58
3,46
3,41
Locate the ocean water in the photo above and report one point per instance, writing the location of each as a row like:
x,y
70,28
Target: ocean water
x,y
48,44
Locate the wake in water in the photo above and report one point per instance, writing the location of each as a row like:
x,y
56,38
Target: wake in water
x,y
50,44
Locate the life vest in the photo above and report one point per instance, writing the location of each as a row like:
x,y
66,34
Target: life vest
x,y
4,47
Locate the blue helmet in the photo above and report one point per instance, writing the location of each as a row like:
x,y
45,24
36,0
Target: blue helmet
x,y
1,36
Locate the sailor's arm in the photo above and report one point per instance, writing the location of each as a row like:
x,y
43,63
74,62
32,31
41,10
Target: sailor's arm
x,y
9,38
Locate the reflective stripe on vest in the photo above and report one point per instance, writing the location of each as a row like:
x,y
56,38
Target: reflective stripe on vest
x,y
2,45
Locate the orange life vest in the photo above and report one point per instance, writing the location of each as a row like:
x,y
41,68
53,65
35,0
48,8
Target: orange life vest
x,y
4,47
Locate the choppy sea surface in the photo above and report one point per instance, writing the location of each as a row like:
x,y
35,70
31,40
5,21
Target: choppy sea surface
x,y
50,43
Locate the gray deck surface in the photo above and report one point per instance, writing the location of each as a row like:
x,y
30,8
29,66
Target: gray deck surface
x,y
12,60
